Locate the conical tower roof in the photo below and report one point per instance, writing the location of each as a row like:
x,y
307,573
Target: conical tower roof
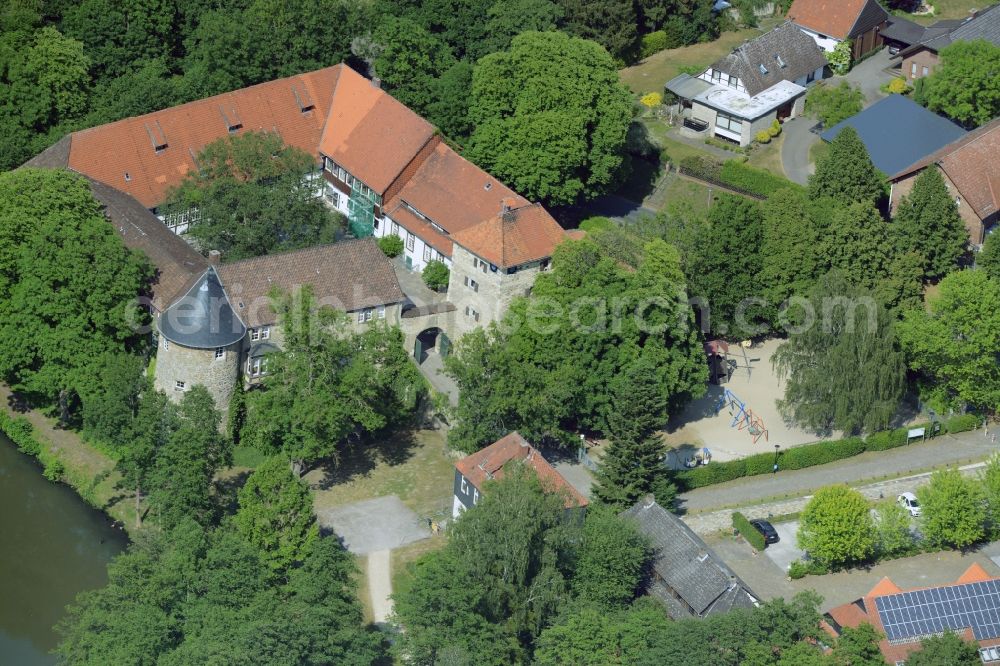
x,y
203,318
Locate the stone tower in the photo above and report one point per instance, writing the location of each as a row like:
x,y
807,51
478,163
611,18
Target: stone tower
x,y
201,342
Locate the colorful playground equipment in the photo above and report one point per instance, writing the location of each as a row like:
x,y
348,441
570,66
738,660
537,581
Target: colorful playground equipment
x,y
743,416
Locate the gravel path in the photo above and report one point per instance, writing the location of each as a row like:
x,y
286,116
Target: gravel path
x,y
380,585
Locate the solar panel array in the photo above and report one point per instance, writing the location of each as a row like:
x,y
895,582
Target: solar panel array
x,y
924,612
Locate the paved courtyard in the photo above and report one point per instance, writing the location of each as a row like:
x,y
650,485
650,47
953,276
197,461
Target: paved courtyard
x,y
785,551
377,524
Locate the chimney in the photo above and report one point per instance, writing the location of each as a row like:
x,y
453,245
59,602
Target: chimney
x,y
376,82
214,257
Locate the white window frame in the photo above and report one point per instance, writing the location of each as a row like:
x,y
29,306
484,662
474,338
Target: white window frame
x,y
427,252
365,315
220,352
465,487
471,284
254,334
475,496
265,332
410,241
179,385
166,343
381,312
726,121
913,70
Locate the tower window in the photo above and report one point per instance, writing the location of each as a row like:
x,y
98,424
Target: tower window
x,y
178,386
220,352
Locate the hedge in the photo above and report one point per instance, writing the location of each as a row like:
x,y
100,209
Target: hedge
x,y
748,531
809,455
653,42
757,181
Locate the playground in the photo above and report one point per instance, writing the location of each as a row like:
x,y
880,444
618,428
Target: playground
x,y
739,417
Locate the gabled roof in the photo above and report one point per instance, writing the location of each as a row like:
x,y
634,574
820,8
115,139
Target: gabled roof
x,y
971,163
837,18
513,237
687,565
144,156
348,275
369,133
783,54
897,131
489,463
984,25
177,264
904,30
204,317
453,192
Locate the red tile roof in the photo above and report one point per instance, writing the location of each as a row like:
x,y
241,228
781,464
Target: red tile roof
x,y
971,164
412,222
518,236
489,463
108,152
829,17
453,192
369,133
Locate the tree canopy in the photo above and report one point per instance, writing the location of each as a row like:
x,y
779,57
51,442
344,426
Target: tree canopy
x,y
327,383
948,648
946,342
843,363
68,286
555,131
846,172
587,321
964,86
927,221
952,511
836,526
251,197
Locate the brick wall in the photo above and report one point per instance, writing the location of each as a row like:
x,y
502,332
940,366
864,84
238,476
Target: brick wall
x,y
920,59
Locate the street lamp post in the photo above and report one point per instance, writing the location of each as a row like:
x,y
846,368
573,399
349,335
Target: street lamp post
x,y
775,470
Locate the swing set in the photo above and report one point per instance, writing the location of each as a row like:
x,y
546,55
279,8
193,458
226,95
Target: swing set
x,y
743,416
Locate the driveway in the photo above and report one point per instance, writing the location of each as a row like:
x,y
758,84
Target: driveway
x,y
373,525
795,149
869,75
785,551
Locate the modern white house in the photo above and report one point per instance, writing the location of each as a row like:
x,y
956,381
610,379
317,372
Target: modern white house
x,y
761,81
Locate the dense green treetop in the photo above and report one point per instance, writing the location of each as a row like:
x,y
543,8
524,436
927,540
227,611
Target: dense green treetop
x,y
965,85
409,61
611,23
946,342
328,383
251,198
952,511
927,221
842,360
846,172
949,648
68,285
836,526
275,514
555,130
587,320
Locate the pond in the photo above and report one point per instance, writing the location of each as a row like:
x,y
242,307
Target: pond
x,y
52,546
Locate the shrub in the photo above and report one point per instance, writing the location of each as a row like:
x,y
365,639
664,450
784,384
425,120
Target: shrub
x,y
886,439
702,166
53,470
653,42
21,432
840,57
898,86
435,275
831,104
597,223
962,423
836,526
802,568
775,128
392,246
763,137
748,532
749,179
649,100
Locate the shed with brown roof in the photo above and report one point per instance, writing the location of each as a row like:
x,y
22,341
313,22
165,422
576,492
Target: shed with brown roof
x,y
831,21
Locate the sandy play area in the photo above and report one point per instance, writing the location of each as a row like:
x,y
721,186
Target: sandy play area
x,y
700,426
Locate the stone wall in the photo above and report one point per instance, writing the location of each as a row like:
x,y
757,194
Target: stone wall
x,y
197,367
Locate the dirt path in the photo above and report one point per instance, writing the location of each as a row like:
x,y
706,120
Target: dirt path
x,y
380,585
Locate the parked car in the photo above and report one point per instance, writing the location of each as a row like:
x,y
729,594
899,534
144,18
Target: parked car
x,y
909,502
766,530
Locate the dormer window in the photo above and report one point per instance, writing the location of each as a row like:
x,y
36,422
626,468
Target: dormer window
x,y
763,70
781,63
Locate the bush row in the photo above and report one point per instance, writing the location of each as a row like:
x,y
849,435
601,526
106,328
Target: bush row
x,y
21,432
809,455
747,531
756,181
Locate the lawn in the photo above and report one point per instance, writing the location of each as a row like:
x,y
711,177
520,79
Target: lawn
x,y
768,156
947,9
414,465
690,194
653,72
